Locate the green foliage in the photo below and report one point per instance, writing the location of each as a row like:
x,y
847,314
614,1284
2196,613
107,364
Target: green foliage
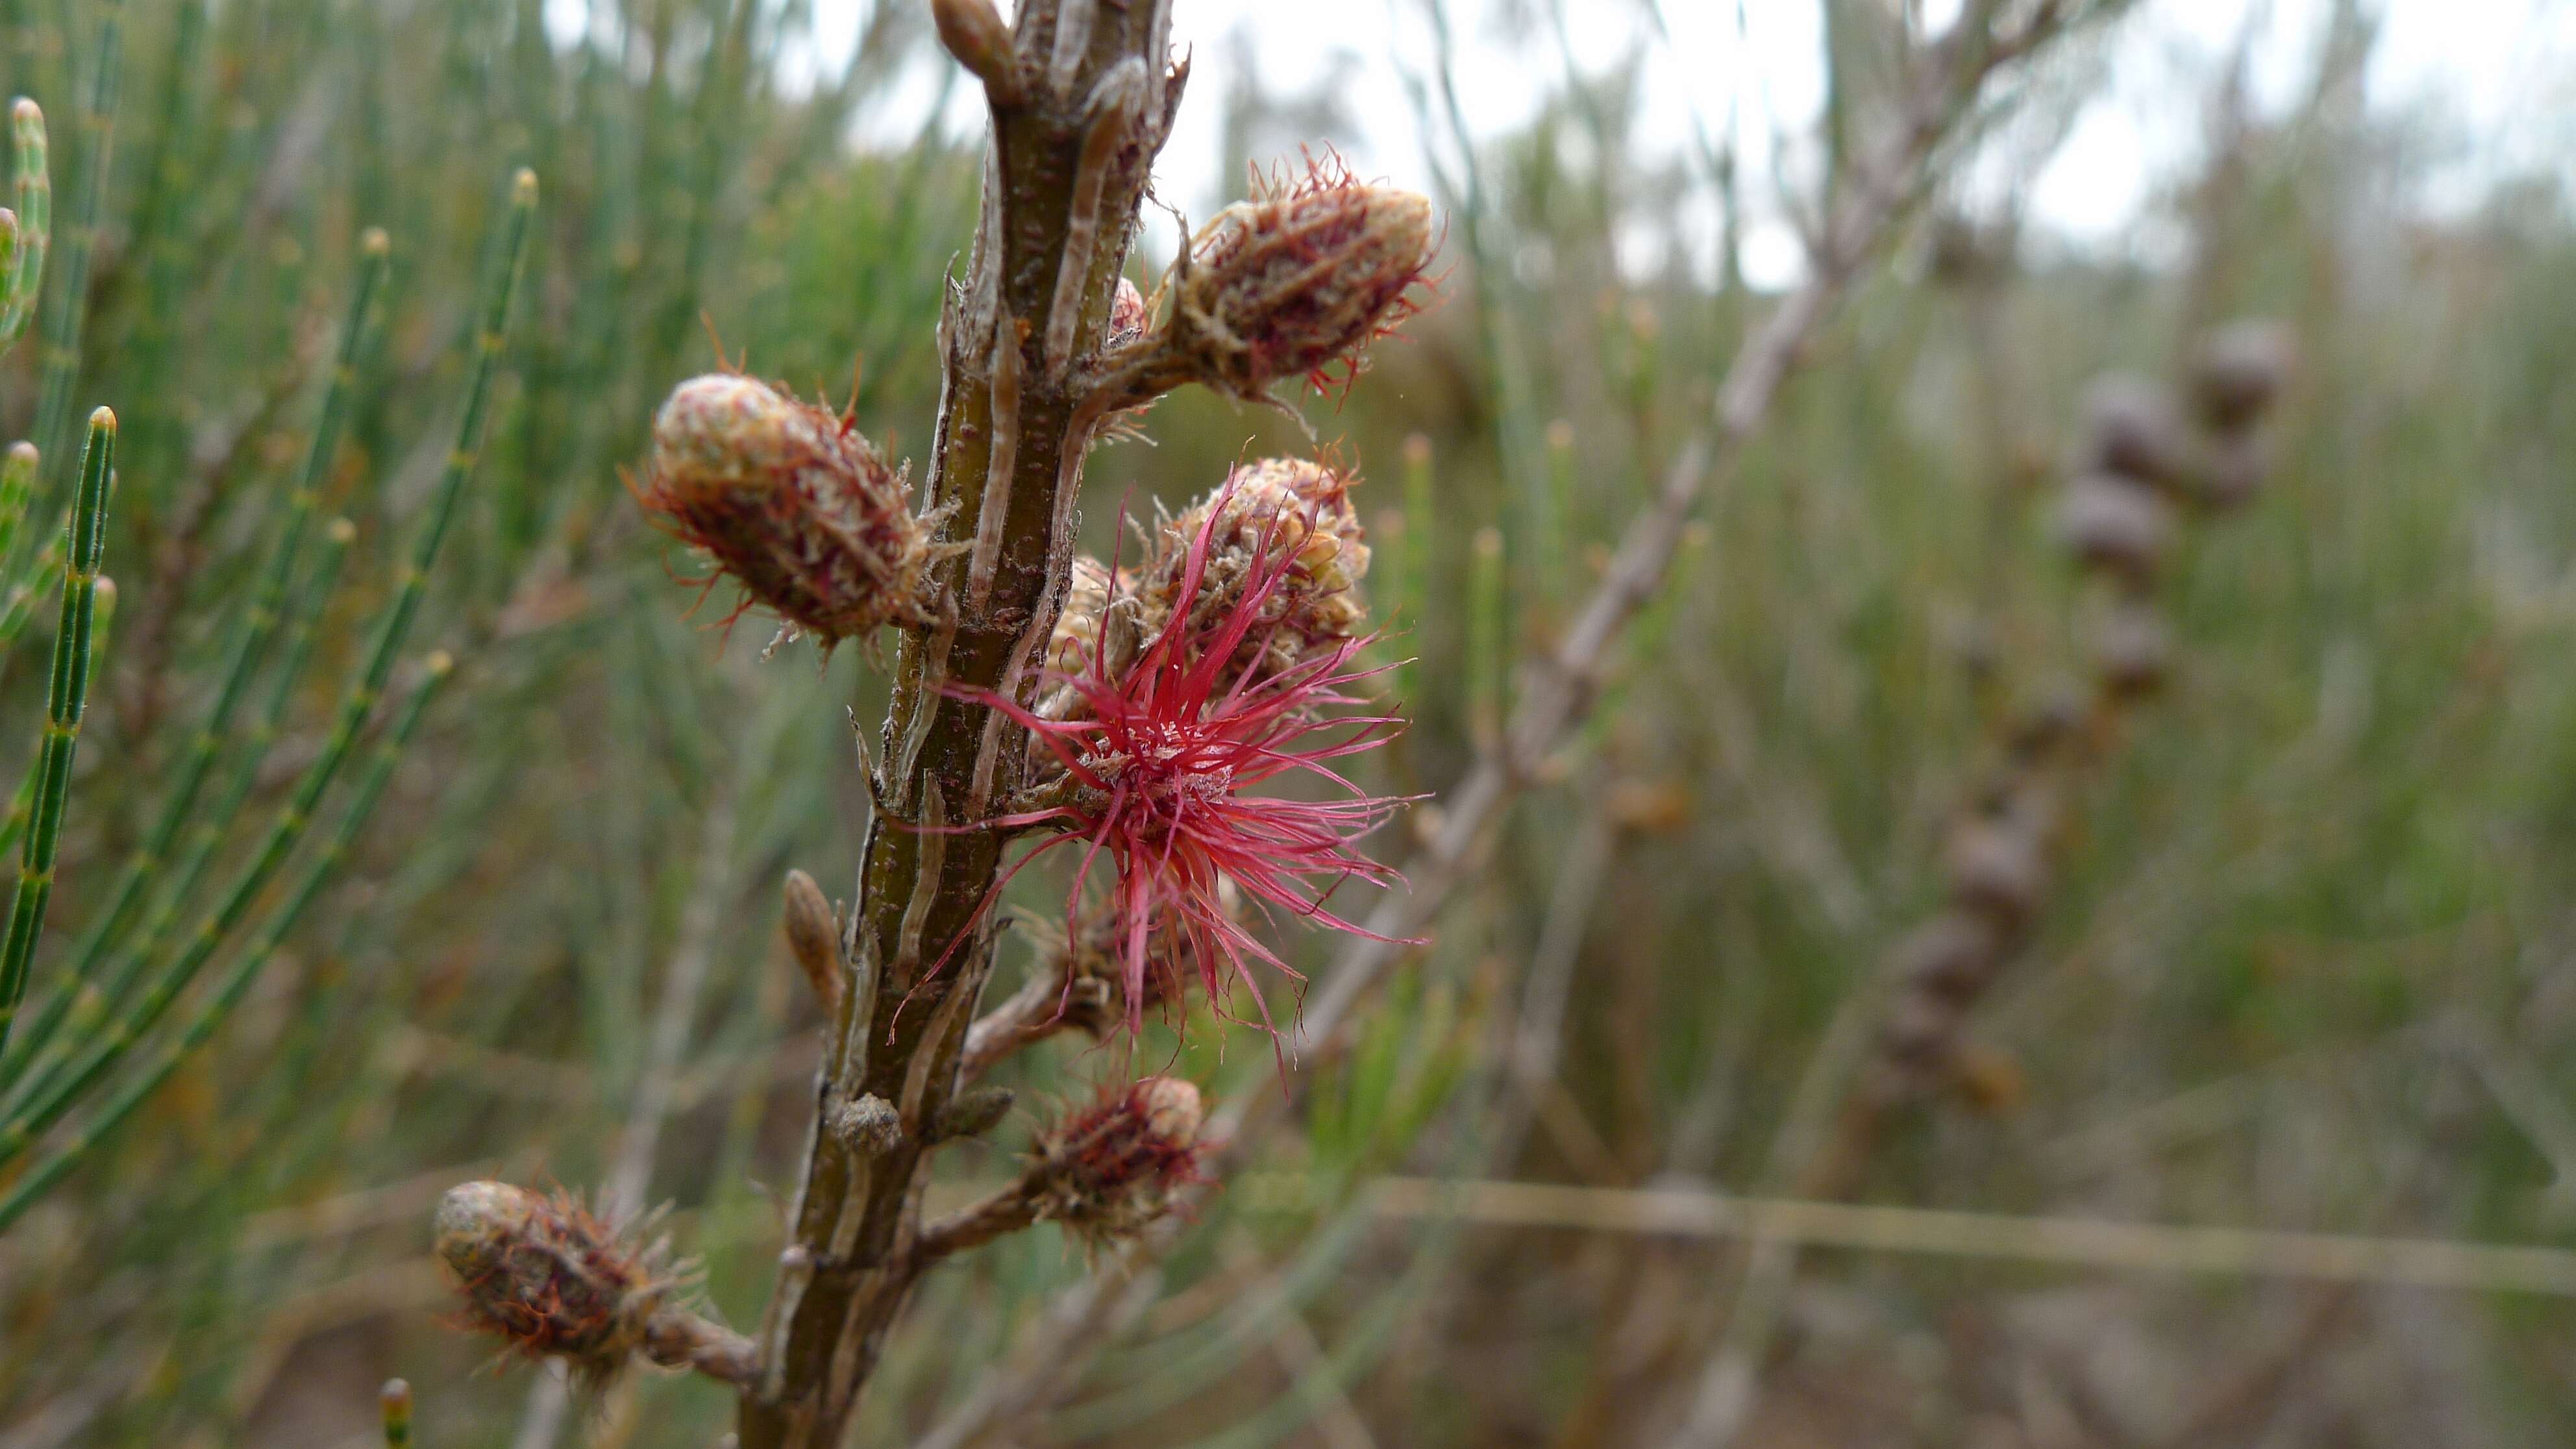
x,y
66,695
2341,837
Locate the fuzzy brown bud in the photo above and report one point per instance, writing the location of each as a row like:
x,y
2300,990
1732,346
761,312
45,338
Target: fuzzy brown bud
x,y
2115,525
1951,956
1296,280
2132,649
2237,465
2046,720
1108,1171
549,1278
1286,504
2241,368
2133,428
1995,868
788,499
1919,1032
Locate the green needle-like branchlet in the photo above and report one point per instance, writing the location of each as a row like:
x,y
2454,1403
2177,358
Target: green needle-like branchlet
x,y
27,584
91,995
17,491
396,1400
71,298
1410,596
33,194
251,634
1488,634
8,262
236,982
23,803
39,1110
66,692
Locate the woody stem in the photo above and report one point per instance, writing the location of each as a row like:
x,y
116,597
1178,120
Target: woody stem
x,y
1086,102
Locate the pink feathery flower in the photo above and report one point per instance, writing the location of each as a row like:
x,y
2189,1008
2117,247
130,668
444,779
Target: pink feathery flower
x,y
1162,767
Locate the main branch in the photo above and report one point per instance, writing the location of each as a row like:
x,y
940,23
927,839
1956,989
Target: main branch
x,y
1081,96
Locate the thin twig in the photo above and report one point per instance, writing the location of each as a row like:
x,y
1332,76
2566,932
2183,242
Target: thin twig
x,y
1538,1036
1687,1212
1806,1147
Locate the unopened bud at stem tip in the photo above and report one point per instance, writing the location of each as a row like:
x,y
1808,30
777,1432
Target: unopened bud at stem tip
x,y
973,32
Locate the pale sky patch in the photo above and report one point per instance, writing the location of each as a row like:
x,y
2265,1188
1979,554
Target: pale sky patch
x,y
2493,80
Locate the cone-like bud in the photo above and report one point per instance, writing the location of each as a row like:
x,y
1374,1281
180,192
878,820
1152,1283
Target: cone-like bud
x,y
2238,463
974,32
1297,280
1920,1031
2134,429
1285,505
1951,956
1995,868
814,938
2132,649
1112,1169
2046,720
788,499
550,1279
2241,368
2115,525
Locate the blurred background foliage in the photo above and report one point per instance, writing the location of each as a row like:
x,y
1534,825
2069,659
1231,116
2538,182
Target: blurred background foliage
x,y
2310,962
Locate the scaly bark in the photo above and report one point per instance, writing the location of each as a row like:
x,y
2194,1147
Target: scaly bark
x,y
1080,105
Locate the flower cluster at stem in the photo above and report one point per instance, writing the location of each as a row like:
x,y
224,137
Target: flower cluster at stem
x,y
1246,678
